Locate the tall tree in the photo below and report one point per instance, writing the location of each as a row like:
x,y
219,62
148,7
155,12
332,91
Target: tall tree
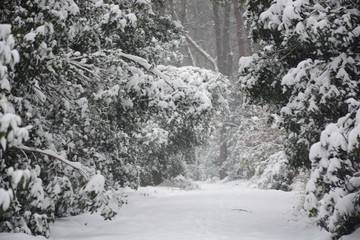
x,y
224,60
226,50
239,28
218,37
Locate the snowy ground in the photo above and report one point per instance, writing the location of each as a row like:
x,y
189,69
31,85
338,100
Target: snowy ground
x,y
219,211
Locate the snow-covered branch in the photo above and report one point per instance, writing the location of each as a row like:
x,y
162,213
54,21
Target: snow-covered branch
x,y
203,52
230,124
50,153
193,62
145,64
352,112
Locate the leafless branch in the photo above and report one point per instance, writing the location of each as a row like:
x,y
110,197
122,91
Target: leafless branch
x,y
203,52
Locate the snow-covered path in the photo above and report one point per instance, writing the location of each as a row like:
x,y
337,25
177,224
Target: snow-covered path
x,y
218,211
214,212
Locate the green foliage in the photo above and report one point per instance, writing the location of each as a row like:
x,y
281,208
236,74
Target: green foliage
x,y
302,46
102,112
307,71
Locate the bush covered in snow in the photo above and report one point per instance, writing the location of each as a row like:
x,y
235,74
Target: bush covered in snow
x,y
333,191
275,173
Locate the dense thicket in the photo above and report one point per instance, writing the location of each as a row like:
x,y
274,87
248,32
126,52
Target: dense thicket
x,y
308,71
81,83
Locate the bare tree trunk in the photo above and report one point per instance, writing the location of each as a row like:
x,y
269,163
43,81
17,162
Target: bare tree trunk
x,y
156,177
183,18
161,170
172,10
227,69
226,52
218,37
224,61
239,28
162,8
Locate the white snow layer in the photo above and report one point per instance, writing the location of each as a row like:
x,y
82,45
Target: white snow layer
x,y
95,184
214,212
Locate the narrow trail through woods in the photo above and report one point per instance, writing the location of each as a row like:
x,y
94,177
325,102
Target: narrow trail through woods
x,y
214,212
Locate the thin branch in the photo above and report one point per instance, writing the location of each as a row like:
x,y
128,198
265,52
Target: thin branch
x,y
75,165
190,56
85,67
203,52
230,124
352,112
